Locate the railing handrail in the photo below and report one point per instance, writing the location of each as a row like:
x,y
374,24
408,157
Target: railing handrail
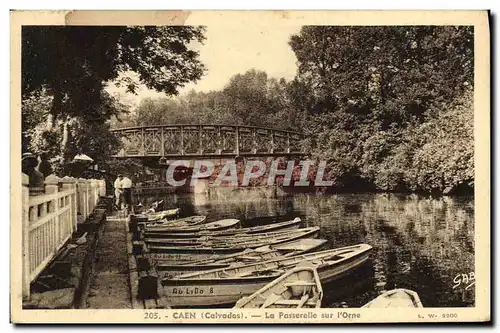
x,y
50,218
131,128
43,198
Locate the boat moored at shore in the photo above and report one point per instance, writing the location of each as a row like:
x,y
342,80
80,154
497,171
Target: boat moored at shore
x,y
227,285
247,256
296,289
274,227
396,298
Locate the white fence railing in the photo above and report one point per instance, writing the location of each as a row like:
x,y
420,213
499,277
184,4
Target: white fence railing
x,y
50,218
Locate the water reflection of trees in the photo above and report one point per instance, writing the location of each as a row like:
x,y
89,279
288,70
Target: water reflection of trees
x,y
419,243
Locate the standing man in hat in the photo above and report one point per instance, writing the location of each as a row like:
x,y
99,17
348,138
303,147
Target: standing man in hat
x,y
127,192
118,191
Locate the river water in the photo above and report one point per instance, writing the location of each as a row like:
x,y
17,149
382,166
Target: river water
x,y
422,244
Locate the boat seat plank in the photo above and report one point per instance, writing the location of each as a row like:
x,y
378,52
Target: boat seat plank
x,y
249,258
287,302
297,302
299,283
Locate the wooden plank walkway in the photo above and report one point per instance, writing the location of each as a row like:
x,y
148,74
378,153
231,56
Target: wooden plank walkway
x,y
109,288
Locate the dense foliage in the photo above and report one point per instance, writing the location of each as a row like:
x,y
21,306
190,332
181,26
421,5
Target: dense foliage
x,y
390,106
67,68
248,99
79,135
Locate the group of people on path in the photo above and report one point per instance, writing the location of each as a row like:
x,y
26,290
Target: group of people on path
x,y
123,192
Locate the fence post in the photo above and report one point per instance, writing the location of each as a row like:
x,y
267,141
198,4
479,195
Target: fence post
x,y
69,184
51,187
26,236
102,187
95,192
90,196
82,192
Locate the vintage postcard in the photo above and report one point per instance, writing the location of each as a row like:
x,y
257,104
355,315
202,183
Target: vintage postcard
x,y
250,167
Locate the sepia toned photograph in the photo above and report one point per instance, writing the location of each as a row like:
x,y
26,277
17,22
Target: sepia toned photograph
x,y
250,167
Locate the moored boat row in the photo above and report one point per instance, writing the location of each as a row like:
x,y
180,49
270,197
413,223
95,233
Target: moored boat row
x,y
263,253
227,285
275,265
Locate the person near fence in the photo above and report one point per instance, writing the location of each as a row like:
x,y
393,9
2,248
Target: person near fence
x,y
29,167
118,191
127,191
44,166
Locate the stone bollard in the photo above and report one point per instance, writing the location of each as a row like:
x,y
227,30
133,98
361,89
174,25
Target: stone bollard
x,y
138,248
69,184
148,284
133,225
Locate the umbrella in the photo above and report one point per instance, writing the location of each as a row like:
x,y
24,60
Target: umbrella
x,y
82,158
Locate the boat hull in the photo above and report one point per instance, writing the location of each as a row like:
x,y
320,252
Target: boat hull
x,y
235,240
276,227
182,292
173,268
186,253
396,298
298,288
208,293
329,274
177,223
211,226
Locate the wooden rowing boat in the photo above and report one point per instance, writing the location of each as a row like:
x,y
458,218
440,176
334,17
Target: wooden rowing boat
x,y
296,289
280,226
226,285
247,256
211,226
223,240
155,216
260,220
202,252
396,298
182,222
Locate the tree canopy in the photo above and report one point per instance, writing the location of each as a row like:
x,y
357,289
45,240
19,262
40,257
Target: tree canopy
x,y
376,96
71,66
251,98
389,107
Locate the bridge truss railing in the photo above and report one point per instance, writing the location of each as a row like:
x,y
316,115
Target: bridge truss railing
x,y
206,140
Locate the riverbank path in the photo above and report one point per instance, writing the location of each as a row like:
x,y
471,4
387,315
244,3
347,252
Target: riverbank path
x,y
109,286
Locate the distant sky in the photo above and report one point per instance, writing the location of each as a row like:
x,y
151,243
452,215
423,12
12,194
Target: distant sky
x,y
233,49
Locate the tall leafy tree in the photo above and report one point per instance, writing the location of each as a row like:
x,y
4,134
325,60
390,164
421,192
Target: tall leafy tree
x,y
370,90
74,63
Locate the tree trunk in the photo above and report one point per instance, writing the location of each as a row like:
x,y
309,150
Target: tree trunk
x,y
55,109
65,141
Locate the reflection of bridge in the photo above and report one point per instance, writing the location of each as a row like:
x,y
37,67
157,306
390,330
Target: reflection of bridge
x,y
206,141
